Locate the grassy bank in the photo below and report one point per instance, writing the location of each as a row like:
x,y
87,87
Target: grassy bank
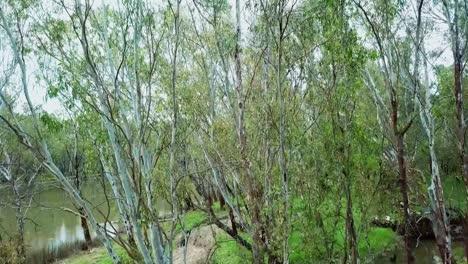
x,y
227,251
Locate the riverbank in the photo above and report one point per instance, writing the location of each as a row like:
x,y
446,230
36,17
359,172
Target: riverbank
x,y
201,248
206,243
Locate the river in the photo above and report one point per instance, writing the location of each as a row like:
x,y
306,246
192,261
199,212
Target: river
x,y
49,226
424,253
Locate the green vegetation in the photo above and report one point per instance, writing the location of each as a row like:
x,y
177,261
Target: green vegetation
x,y
98,256
295,129
228,251
454,191
378,240
192,220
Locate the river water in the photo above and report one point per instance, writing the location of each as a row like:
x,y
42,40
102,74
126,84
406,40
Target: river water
x,y
49,226
426,252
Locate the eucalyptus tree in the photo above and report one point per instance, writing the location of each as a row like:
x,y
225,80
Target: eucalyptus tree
x,y
238,192
245,189
122,83
394,61
21,181
213,42
36,144
440,222
120,91
439,219
253,190
273,29
175,9
346,57
455,17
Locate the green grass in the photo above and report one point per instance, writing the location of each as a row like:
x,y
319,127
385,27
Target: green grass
x,y
229,252
459,254
99,256
303,250
378,240
192,219
296,242
454,192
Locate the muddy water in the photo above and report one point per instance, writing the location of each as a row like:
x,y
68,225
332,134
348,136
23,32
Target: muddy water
x,y
49,226
425,253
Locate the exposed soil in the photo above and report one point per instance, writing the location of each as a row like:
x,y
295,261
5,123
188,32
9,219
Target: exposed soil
x,y
200,243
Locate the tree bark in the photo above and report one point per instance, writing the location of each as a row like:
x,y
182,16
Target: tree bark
x,y
440,223
457,34
350,227
84,226
402,170
20,247
404,192
252,188
460,131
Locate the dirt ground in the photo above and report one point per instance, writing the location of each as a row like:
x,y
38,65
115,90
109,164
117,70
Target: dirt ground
x,y
200,244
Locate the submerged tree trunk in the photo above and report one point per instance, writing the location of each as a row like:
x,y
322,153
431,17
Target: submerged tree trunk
x,y
20,248
84,226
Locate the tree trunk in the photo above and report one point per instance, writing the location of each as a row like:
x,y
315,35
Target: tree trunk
x,y
233,221
76,171
440,223
253,195
20,224
84,226
350,228
222,202
282,132
460,130
404,192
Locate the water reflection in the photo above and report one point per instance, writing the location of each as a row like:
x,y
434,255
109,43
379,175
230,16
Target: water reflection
x,y
425,253
47,226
